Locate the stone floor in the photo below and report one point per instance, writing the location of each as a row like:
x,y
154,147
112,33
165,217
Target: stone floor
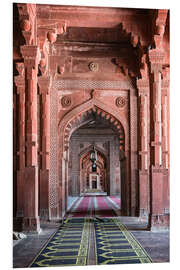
x,y
26,249
156,244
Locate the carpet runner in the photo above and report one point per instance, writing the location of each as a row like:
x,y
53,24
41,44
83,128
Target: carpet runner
x,y
94,206
116,245
103,207
83,208
70,245
67,247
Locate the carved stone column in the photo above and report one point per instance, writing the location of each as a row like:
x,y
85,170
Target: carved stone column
x,y
20,147
75,169
44,87
30,192
66,182
143,87
112,175
158,218
165,137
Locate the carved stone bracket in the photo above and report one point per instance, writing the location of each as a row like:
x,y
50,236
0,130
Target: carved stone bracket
x,y
50,31
160,27
27,14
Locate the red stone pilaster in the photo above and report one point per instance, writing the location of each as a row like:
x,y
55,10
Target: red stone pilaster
x,y
20,148
30,191
44,87
66,182
143,87
158,219
63,189
165,137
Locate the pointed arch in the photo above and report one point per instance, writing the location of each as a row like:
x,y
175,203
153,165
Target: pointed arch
x,y
90,147
66,125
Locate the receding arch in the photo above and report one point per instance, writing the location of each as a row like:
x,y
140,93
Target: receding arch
x,y
77,118
90,147
66,127
101,166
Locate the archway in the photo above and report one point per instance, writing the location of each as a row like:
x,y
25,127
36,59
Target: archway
x,y
93,181
83,117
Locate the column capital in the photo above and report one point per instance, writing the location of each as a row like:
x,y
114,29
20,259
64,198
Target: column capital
x,y
156,58
19,80
142,83
30,52
44,83
143,87
31,55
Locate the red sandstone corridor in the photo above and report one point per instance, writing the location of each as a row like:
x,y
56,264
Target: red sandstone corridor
x,y
90,117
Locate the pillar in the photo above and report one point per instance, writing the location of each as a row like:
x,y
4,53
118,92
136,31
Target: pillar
x,y
20,144
30,54
75,169
143,93
165,140
158,217
44,147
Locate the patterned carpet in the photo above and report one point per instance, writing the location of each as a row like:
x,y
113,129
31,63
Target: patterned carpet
x,y
101,206
91,235
70,245
67,247
116,245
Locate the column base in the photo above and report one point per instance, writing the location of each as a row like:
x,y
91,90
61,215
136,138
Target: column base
x,y
159,222
18,224
31,224
143,215
54,213
44,214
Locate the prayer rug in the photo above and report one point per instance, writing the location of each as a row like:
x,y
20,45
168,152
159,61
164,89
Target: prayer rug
x,y
116,245
70,245
67,247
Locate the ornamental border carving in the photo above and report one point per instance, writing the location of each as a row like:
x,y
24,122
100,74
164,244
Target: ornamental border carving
x,y
88,84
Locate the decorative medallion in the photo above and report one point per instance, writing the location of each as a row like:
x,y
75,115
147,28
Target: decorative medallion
x,y
120,102
93,66
66,101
